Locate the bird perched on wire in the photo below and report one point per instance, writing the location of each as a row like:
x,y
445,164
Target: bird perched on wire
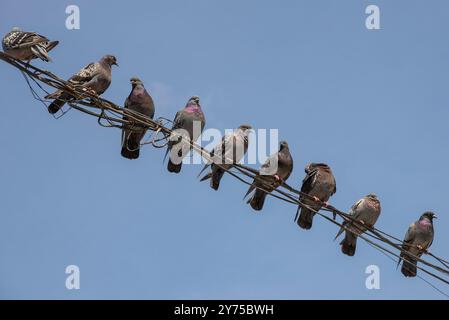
x,y
364,215
26,46
231,150
320,185
95,77
418,239
141,102
273,173
188,123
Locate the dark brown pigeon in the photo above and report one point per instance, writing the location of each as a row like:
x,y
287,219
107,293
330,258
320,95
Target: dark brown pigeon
x,y
232,149
320,184
27,46
189,122
366,211
141,102
272,174
95,77
418,239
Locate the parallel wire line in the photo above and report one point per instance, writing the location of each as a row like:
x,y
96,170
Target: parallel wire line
x,y
81,96
421,278
139,118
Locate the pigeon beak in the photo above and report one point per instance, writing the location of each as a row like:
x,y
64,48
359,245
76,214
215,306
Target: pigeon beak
x,y
115,64
435,217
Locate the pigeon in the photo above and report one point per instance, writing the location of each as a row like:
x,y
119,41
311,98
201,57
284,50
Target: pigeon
x,y
366,211
272,174
232,149
96,77
418,239
320,184
27,46
189,123
139,101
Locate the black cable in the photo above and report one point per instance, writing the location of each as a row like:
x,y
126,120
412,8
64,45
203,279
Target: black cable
x,y
134,119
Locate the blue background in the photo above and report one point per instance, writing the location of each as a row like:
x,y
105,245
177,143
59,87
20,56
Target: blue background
x,y
371,103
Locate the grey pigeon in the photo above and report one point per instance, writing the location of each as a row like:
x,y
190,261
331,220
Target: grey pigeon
x,y
96,77
232,149
418,239
272,174
139,101
320,184
190,121
27,46
366,211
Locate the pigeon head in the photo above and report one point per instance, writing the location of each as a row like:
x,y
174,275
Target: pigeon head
x,y
135,81
110,60
245,127
283,145
428,215
194,99
372,196
312,166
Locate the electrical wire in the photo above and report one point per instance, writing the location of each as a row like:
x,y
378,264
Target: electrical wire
x,y
118,117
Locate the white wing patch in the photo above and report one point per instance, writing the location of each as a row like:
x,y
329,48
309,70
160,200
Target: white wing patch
x,y
85,74
17,39
87,71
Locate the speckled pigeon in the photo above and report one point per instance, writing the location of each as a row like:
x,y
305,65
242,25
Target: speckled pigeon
x,y
95,77
232,149
27,46
272,174
418,239
190,121
318,183
366,211
139,101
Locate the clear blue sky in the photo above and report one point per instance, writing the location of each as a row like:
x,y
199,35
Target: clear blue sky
x,y
372,104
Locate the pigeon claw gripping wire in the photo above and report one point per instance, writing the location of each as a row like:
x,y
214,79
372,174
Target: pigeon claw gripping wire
x,y
421,248
279,181
119,117
90,92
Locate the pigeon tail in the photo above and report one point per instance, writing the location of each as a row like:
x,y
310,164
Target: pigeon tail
x,y
258,200
409,267
131,147
348,244
51,45
175,168
130,154
216,178
55,106
305,219
40,51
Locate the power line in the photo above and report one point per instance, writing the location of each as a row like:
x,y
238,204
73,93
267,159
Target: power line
x,y
106,111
